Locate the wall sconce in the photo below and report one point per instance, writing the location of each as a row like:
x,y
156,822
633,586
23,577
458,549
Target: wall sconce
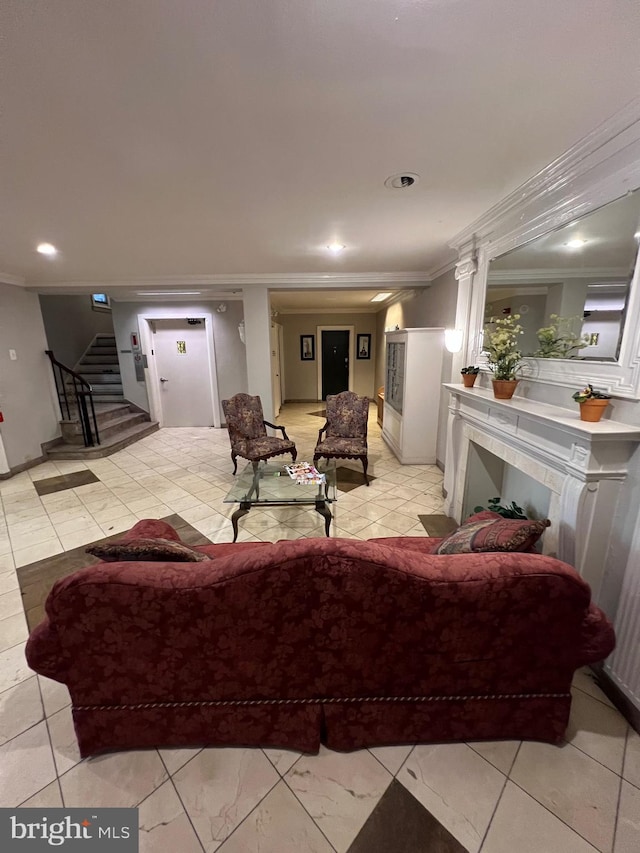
x,y
221,308
453,339
241,331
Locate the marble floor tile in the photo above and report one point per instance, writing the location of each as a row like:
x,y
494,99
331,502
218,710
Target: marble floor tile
x,y
458,787
631,769
118,525
278,824
521,824
164,825
13,667
500,753
6,564
401,824
597,730
26,765
219,787
55,696
628,826
175,758
66,753
88,534
13,630
282,759
33,553
117,779
339,791
49,797
391,757
585,680
575,787
20,709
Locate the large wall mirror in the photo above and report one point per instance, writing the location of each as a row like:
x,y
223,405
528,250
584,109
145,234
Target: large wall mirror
x,y
573,252
571,285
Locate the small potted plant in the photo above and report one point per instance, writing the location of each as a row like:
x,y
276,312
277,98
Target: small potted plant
x,y
469,375
592,403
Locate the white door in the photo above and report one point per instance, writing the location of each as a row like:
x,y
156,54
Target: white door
x,y
276,372
183,371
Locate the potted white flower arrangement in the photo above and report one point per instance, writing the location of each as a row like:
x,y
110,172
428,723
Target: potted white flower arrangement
x,y
503,354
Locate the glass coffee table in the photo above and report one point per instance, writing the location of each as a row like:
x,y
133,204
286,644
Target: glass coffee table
x,y
268,484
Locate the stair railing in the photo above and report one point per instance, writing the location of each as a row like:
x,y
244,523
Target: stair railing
x,y
66,380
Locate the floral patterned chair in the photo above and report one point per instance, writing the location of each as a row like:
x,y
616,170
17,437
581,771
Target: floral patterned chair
x,y
248,434
346,429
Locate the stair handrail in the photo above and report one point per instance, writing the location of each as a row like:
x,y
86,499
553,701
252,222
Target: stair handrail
x,y
82,390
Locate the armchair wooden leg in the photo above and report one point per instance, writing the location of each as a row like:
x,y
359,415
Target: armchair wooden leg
x,y
365,464
234,459
294,454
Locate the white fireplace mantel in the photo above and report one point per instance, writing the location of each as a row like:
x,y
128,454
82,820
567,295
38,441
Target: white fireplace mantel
x,y
582,464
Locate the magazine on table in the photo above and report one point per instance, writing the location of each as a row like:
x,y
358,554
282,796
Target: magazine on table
x,y
305,474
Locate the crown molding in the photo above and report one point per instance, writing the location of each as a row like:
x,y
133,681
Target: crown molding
x,y
436,272
316,311
275,280
15,280
613,137
498,277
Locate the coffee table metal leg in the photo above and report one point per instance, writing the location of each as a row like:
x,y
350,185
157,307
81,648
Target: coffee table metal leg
x,y
242,510
324,510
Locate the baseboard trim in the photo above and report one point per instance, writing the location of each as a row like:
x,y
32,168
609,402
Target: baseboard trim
x,y
24,466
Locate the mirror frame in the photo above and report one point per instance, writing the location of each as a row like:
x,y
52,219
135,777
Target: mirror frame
x,y
595,172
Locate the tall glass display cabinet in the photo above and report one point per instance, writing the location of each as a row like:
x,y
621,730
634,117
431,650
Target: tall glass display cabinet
x,y
413,370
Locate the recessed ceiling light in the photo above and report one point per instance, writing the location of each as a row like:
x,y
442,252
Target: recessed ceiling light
x,y
335,248
380,297
575,244
47,249
402,181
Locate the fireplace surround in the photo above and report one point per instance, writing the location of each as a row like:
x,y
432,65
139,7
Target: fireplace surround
x,y
582,464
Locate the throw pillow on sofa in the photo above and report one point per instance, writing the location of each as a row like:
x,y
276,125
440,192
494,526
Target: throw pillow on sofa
x,y
488,531
153,550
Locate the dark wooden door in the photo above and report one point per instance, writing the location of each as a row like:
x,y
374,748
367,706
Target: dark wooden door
x,y
335,362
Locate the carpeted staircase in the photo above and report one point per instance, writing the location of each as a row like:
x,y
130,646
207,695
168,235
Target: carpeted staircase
x,y
119,422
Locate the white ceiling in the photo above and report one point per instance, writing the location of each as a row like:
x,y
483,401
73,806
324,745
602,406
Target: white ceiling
x,y
155,138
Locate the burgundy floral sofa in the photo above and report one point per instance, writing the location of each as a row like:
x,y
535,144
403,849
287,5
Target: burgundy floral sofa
x,y
343,642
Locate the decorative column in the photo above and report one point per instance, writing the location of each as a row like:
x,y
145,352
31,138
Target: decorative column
x,y
466,268
257,331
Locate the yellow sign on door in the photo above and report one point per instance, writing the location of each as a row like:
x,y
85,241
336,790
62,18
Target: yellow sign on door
x,y
182,347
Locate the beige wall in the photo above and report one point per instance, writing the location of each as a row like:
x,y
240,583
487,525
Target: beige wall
x,y
301,377
71,324
27,397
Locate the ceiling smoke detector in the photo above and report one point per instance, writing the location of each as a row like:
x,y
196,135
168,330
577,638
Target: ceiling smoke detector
x,y
402,181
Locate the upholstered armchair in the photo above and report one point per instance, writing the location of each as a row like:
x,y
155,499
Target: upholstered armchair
x,y
345,429
248,434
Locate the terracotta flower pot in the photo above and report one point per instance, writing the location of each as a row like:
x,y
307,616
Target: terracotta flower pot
x,y
468,379
591,410
503,389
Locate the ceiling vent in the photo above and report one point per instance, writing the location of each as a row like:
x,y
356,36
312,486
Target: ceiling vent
x,y
402,181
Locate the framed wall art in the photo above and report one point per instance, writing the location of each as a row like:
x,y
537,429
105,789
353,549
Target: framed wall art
x,y
364,346
307,347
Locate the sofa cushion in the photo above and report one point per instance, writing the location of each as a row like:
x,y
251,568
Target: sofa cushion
x,y
493,534
150,550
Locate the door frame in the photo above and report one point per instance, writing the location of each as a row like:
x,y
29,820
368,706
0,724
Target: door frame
x,y
352,352
152,379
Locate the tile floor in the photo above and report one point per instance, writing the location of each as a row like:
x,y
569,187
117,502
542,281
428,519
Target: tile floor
x,y
498,797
